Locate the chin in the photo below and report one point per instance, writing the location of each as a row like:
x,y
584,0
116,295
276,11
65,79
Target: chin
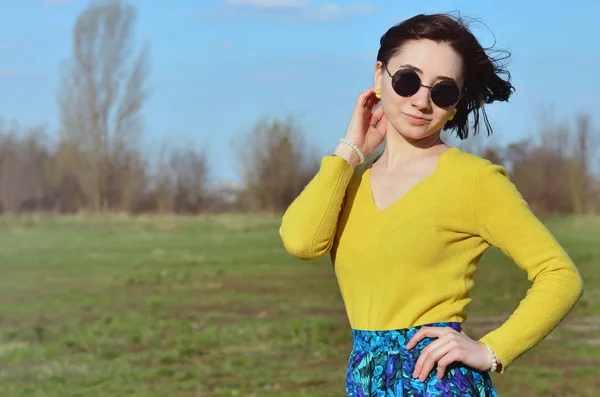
x,y
416,132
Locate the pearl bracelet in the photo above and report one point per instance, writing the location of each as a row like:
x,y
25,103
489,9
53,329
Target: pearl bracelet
x,y
356,149
492,357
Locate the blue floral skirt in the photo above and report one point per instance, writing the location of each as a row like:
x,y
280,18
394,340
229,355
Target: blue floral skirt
x,y
380,366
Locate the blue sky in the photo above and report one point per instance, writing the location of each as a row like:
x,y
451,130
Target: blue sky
x,y
219,65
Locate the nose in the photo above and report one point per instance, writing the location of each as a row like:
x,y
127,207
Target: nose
x,y
422,98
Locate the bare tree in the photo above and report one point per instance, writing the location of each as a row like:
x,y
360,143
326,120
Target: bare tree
x,y
126,176
25,160
178,182
162,182
276,165
189,169
584,149
101,97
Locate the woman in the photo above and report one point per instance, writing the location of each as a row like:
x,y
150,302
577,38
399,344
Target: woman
x,y
405,232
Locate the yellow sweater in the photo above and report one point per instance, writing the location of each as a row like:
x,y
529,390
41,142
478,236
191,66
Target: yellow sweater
x,y
412,263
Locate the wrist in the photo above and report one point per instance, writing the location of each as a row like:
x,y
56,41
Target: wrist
x,y
493,361
347,153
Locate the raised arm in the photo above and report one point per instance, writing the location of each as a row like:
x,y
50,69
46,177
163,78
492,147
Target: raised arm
x,y
309,224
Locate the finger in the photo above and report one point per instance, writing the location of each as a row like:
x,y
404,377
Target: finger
x,y
375,102
427,332
423,357
426,353
382,127
376,117
443,362
371,102
368,104
362,98
434,355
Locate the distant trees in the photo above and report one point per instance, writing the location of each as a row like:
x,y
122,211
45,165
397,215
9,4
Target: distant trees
x,y
27,172
276,165
557,169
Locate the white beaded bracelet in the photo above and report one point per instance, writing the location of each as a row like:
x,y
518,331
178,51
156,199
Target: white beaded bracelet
x,y
493,357
356,149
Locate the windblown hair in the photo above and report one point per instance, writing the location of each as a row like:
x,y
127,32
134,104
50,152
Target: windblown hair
x,y
482,73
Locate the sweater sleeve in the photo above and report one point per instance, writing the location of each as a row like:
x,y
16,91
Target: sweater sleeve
x,y
309,224
505,221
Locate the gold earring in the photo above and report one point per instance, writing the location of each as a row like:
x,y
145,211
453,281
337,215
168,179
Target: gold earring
x,y
377,93
452,117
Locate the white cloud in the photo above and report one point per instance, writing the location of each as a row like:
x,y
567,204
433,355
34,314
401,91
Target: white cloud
x,y
292,11
325,12
331,11
270,4
361,8
57,2
11,74
206,15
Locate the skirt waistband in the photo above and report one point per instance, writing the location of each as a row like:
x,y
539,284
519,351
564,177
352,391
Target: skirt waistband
x,y
392,340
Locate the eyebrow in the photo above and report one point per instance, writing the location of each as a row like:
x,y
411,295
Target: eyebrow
x,y
416,69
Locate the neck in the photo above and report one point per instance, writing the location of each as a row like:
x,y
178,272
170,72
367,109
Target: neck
x,y
399,148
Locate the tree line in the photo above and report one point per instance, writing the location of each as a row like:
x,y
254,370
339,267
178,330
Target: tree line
x,y
95,164
556,169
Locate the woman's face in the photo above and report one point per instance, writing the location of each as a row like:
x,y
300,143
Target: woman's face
x,y
417,116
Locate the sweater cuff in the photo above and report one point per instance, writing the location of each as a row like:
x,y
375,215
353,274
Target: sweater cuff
x,y
338,166
504,355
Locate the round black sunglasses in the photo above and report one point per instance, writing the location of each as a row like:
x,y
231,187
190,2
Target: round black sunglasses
x,y
406,83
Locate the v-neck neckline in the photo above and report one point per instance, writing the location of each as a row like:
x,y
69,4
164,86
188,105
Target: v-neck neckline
x,y
411,191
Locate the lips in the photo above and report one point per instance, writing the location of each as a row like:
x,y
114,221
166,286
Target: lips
x,y
416,120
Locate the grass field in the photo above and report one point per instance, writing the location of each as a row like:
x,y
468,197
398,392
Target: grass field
x,y
214,306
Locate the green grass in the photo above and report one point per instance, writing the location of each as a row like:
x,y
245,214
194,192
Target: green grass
x,y
213,306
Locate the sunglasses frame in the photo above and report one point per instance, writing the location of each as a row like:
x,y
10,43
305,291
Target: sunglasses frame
x,y
430,88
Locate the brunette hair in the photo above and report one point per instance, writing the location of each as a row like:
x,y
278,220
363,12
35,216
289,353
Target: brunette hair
x,y
482,73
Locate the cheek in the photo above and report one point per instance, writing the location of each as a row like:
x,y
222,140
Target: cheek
x,y
394,103
441,115
439,118
388,91
393,107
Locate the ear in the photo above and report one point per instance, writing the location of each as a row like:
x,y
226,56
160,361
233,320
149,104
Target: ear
x,y
377,75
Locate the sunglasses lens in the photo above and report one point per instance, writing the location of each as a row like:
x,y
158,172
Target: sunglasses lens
x,y
445,94
406,82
